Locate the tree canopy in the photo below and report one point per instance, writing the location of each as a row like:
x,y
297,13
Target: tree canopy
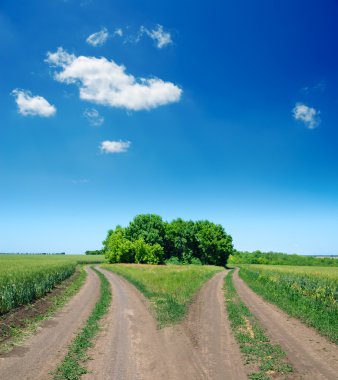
x,y
149,239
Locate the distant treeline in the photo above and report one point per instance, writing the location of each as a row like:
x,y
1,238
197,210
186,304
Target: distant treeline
x,y
31,253
276,258
149,239
95,252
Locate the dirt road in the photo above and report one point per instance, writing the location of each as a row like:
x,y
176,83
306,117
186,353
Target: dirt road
x,y
311,354
205,339
131,347
43,352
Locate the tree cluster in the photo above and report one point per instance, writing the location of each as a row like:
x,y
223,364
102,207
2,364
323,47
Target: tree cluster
x,y
94,252
277,258
149,239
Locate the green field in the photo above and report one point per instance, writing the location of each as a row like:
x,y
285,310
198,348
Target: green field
x,y
168,287
308,293
24,278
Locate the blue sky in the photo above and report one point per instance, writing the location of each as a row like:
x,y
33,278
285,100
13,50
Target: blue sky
x,y
223,110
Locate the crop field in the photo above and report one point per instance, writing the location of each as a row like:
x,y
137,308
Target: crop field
x,y
169,288
29,277
308,293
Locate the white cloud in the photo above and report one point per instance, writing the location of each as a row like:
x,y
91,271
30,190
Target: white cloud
x,y
118,32
94,117
60,58
114,146
160,37
98,38
105,82
308,115
29,105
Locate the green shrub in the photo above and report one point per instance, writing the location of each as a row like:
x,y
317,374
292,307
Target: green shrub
x,y
196,261
174,260
147,254
119,249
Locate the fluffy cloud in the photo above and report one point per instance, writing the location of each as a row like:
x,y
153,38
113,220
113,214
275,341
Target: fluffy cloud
x,y
60,58
29,105
114,146
160,37
93,116
118,32
105,82
98,38
307,115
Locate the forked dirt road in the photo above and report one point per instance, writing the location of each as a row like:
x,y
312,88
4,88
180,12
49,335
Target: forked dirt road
x,y
43,351
311,355
131,348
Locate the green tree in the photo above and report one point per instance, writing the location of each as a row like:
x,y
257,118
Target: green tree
x,y
214,244
147,254
95,252
117,248
148,239
148,227
180,240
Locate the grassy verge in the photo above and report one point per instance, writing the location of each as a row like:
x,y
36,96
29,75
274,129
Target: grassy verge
x,y
307,293
72,367
20,324
266,359
169,288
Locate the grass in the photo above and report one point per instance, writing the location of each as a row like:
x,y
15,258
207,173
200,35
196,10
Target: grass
x,y
268,360
169,288
307,293
15,333
72,367
25,278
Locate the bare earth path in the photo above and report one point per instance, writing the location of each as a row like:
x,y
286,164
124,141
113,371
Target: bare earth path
x,y
131,348
311,354
43,351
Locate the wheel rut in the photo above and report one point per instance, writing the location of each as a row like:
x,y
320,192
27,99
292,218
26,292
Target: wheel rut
x,y
42,352
313,356
130,347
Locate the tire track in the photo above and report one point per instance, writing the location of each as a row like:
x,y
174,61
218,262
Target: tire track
x,y
311,354
43,351
131,348
128,346
206,335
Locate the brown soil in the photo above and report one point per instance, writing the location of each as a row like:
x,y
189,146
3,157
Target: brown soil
x,y
131,347
22,316
312,356
42,352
